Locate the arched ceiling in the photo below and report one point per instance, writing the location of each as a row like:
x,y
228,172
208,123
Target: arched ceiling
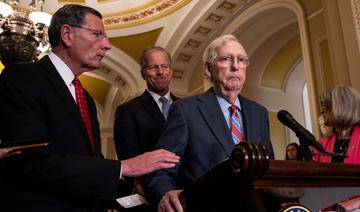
x,y
184,28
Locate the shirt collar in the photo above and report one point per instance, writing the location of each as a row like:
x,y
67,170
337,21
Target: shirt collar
x,y
64,70
157,96
224,104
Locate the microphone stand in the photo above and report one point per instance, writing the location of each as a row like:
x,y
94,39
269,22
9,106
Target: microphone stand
x,y
305,150
307,154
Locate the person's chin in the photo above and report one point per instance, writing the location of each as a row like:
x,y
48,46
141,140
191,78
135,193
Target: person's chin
x,y
93,66
158,89
234,86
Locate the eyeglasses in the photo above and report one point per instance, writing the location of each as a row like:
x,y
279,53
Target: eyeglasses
x,y
155,67
97,34
228,61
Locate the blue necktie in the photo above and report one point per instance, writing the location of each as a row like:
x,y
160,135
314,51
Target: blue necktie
x,y
164,106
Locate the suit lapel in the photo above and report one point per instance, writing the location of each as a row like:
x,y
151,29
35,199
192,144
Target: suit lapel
x,y
211,112
152,108
94,123
245,116
173,97
64,94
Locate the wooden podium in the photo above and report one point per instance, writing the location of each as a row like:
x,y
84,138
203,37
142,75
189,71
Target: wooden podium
x,y
314,185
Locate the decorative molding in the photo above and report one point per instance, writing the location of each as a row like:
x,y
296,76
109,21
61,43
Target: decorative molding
x,y
203,33
141,15
119,80
214,18
184,58
227,6
191,43
178,74
104,69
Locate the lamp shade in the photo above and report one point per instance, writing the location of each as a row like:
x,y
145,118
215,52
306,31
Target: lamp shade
x,y
40,17
5,9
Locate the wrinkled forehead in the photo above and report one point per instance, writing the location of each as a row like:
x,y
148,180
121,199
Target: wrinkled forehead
x,y
93,21
231,47
157,55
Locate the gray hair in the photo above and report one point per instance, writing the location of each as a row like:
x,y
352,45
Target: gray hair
x,y
211,50
344,102
143,56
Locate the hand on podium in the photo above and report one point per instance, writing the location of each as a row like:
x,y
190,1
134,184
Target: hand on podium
x,y
148,162
170,202
6,152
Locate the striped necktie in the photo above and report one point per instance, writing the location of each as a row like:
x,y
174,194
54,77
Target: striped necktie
x,y
235,125
84,110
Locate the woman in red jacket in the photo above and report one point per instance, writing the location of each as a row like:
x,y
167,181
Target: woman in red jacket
x,y
341,109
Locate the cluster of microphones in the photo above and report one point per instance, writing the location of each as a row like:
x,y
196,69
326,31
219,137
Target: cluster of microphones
x,y
306,139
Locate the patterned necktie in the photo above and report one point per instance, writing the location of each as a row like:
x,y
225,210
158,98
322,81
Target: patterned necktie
x,y
164,106
235,125
84,110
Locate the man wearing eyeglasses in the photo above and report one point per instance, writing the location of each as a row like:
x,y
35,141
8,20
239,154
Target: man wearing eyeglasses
x,y
204,129
138,122
44,101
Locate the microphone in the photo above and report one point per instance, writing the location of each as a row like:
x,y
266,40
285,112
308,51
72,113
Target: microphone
x,y
305,137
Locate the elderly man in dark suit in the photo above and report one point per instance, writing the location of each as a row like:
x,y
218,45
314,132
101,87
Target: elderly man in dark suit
x,y
45,101
138,122
204,129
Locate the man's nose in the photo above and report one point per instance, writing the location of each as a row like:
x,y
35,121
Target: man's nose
x,y
106,43
237,63
159,70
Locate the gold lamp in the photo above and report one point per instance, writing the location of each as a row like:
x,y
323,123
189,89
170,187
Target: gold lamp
x,y
23,31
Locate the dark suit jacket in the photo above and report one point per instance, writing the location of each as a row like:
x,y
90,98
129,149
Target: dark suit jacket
x,y
137,126
197,131
35,103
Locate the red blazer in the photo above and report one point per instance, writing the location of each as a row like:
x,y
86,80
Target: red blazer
x,y
353,151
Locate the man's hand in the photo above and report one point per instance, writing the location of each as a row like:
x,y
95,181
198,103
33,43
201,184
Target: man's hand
x,y
148,162
170,202
6,152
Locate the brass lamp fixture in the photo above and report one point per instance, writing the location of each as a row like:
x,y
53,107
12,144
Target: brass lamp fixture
x,y
23,31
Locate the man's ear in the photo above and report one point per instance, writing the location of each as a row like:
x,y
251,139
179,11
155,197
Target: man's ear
x,y
66,35
208,69
142,74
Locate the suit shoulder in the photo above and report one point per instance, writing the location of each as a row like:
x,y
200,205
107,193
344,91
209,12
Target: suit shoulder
x,y
187,100
21,69
248,102
131,104
26,75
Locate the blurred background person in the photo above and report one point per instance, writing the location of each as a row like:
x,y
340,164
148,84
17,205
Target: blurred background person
x,y
138,122
325,130
293,152
341,109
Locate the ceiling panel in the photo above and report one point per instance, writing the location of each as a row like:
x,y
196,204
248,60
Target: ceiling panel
x,y
133,45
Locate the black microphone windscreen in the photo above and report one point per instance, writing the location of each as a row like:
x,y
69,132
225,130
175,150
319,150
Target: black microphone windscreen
x,y
285,118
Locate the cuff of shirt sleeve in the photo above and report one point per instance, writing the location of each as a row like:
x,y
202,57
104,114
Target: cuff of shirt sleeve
x,y
121,177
